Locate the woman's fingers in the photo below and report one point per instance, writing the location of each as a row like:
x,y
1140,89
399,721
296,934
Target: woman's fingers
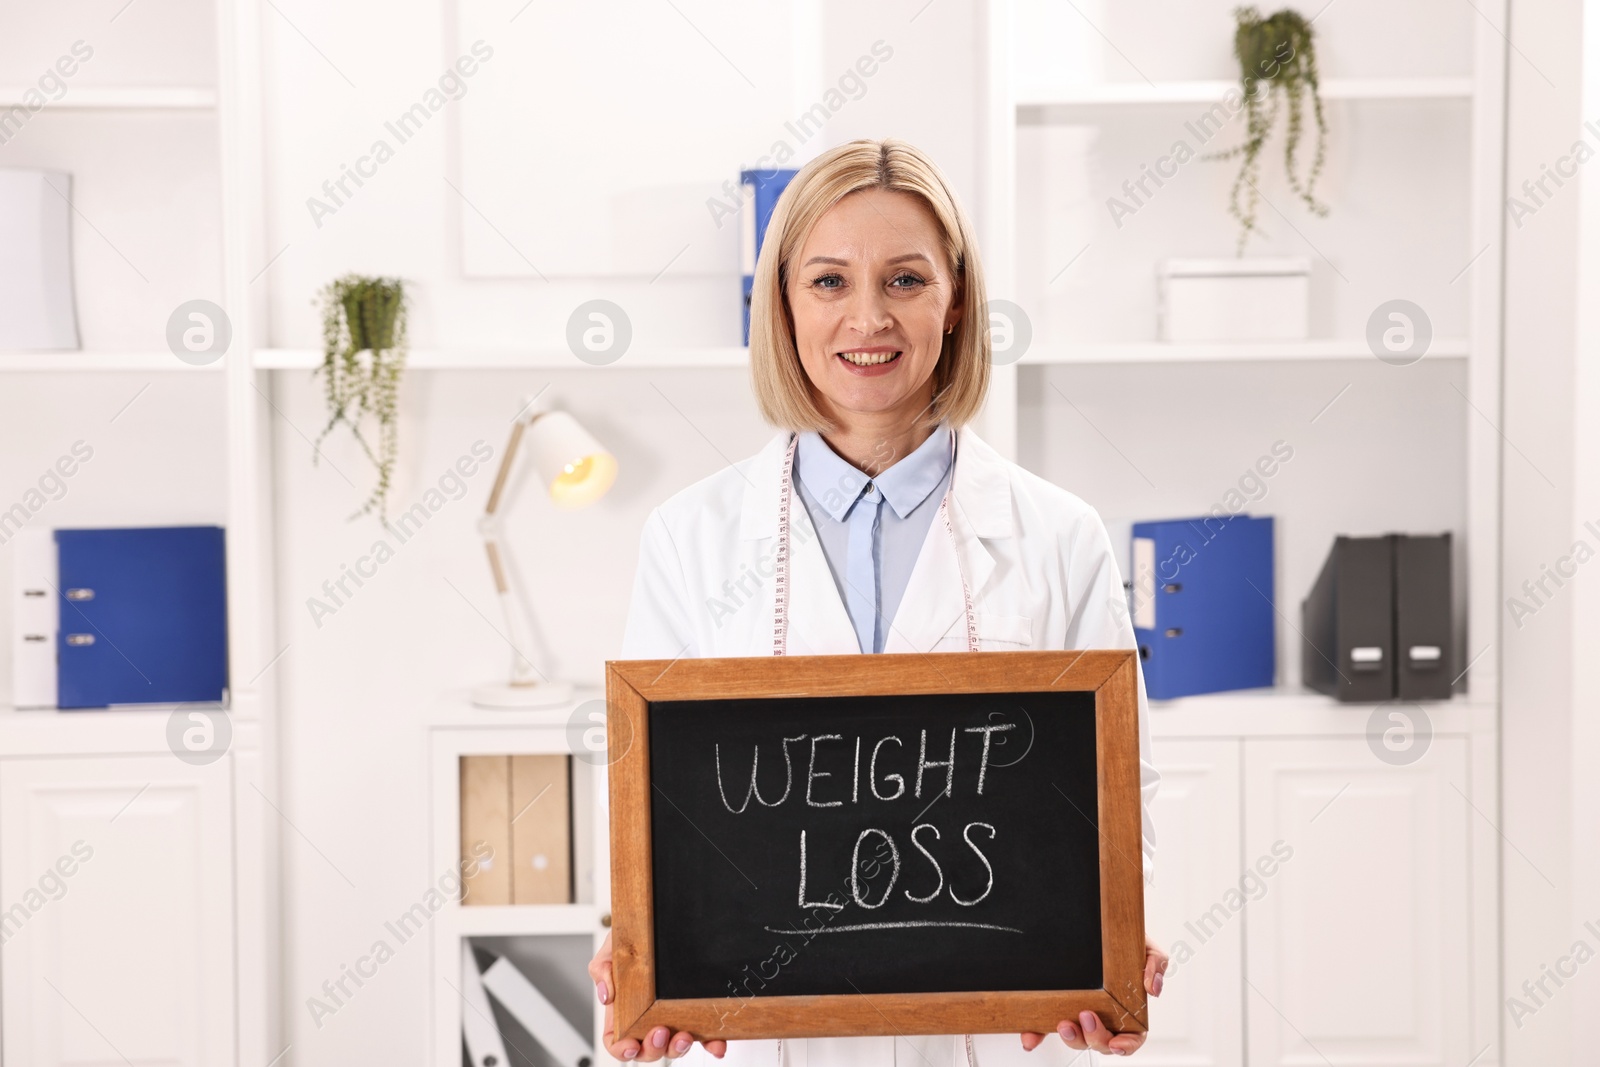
x,y
1155,968
1127,1044
1030,1040
600,972
661,1042
1095,1034
620,1050
1088,1032
658,1043
654,1045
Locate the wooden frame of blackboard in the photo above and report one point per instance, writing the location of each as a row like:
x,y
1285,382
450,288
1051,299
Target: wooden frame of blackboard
x,y
633,685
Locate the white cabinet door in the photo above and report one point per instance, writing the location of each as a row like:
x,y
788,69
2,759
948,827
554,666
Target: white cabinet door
x,y
1196,1022
117,898
1357,953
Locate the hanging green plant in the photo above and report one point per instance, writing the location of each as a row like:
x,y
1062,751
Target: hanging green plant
x,y
363,358
1277,65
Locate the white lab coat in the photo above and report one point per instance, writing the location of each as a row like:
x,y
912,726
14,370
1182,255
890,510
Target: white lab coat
x,y
1038,562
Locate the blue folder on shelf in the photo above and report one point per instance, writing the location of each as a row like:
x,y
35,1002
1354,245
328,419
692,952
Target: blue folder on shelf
x,y
143,616
1202,601
761,191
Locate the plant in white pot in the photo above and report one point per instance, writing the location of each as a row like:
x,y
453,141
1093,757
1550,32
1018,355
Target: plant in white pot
x,y
363,359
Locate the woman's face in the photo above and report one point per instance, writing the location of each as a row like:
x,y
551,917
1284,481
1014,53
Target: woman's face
x,y
871,296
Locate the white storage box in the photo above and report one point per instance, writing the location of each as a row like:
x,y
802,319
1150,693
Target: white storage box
x,y
1205,300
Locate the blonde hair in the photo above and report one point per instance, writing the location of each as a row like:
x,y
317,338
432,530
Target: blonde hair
x,y
961,376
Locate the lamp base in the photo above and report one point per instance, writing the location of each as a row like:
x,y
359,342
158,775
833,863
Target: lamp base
x,y
544,694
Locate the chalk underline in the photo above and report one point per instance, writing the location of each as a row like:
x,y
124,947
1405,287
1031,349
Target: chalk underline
x,y
853,927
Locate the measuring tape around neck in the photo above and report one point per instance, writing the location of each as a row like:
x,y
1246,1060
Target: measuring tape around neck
x,y
780,569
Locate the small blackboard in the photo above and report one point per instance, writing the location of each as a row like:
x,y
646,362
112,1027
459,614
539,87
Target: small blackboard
x,y
806,846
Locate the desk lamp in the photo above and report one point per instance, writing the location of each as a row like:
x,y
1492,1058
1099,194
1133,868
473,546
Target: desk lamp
x,y
576,470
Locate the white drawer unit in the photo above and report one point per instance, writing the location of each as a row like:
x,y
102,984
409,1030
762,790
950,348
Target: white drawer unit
x,y
1357,952
116,875
1322,895
1198,1020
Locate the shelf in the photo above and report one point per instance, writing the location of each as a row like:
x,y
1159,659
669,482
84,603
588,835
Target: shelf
x,y
520,920
102,731
1210,92
1242,351
52,362
154,98
1286,712
520,359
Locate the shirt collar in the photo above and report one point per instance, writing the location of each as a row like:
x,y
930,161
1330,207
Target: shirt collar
x,y
836,485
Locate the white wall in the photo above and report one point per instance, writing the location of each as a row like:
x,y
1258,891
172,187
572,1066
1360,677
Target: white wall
x,y
406,220
1586,598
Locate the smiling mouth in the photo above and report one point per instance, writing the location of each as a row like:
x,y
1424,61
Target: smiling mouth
x,y
868,359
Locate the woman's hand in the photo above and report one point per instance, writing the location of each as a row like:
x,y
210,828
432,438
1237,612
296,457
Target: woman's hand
x,y
1087,1031
658,1042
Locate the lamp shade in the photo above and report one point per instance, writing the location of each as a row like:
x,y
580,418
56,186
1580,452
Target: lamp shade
x,y
576,467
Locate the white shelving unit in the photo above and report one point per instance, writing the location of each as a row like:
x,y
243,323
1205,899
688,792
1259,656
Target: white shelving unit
x,y
459,729
155,98
90,361
200,988
1242,759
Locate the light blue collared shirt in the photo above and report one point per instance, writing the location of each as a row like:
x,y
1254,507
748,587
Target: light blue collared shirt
x,y
870,549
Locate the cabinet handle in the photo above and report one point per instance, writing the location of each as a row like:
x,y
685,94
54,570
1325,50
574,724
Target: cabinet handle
x,y
605,920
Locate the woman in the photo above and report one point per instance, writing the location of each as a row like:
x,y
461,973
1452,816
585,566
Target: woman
x,y
892,528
